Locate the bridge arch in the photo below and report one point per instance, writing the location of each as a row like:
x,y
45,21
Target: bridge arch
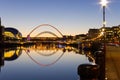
x,y
46,54
43,25
41,64
46,32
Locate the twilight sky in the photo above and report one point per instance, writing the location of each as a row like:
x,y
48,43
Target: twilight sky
x,y
71,17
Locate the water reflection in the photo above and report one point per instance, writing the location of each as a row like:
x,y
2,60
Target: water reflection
x,y
48,50
1,58
12,54
42,62
9,54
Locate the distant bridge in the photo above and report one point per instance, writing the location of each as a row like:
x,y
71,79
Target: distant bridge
x,y
44,25
46,32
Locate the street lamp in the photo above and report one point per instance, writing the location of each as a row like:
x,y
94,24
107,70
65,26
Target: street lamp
x,y
104,4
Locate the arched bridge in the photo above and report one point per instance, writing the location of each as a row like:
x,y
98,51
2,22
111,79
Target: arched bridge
x,y
44,25
46,32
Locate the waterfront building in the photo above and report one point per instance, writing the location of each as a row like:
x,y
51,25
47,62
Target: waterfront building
x,y
11,33
92,33
81,37
116,33
110,34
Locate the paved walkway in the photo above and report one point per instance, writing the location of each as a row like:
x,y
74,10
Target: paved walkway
x,y
113,63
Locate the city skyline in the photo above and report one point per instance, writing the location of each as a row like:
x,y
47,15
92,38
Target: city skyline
x,y
71,17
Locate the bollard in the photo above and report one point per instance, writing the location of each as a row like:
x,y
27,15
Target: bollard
x,y
88,71
99,54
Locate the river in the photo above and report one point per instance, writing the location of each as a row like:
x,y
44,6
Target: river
x,y
41,62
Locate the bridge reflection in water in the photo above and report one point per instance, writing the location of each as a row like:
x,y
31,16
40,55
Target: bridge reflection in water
x,y
42,62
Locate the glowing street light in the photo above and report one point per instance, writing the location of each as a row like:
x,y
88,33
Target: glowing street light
x,y
104,4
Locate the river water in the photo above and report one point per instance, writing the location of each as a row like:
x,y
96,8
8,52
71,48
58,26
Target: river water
x,y
41,62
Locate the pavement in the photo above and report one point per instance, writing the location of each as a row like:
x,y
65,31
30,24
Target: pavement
x,y
112,63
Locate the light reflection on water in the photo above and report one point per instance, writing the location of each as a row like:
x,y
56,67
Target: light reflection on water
x,y
41,62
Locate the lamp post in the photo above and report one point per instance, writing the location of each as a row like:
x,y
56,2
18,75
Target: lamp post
x,y
104,4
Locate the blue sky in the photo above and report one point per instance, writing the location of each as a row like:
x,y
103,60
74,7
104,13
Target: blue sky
x,y
71,17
